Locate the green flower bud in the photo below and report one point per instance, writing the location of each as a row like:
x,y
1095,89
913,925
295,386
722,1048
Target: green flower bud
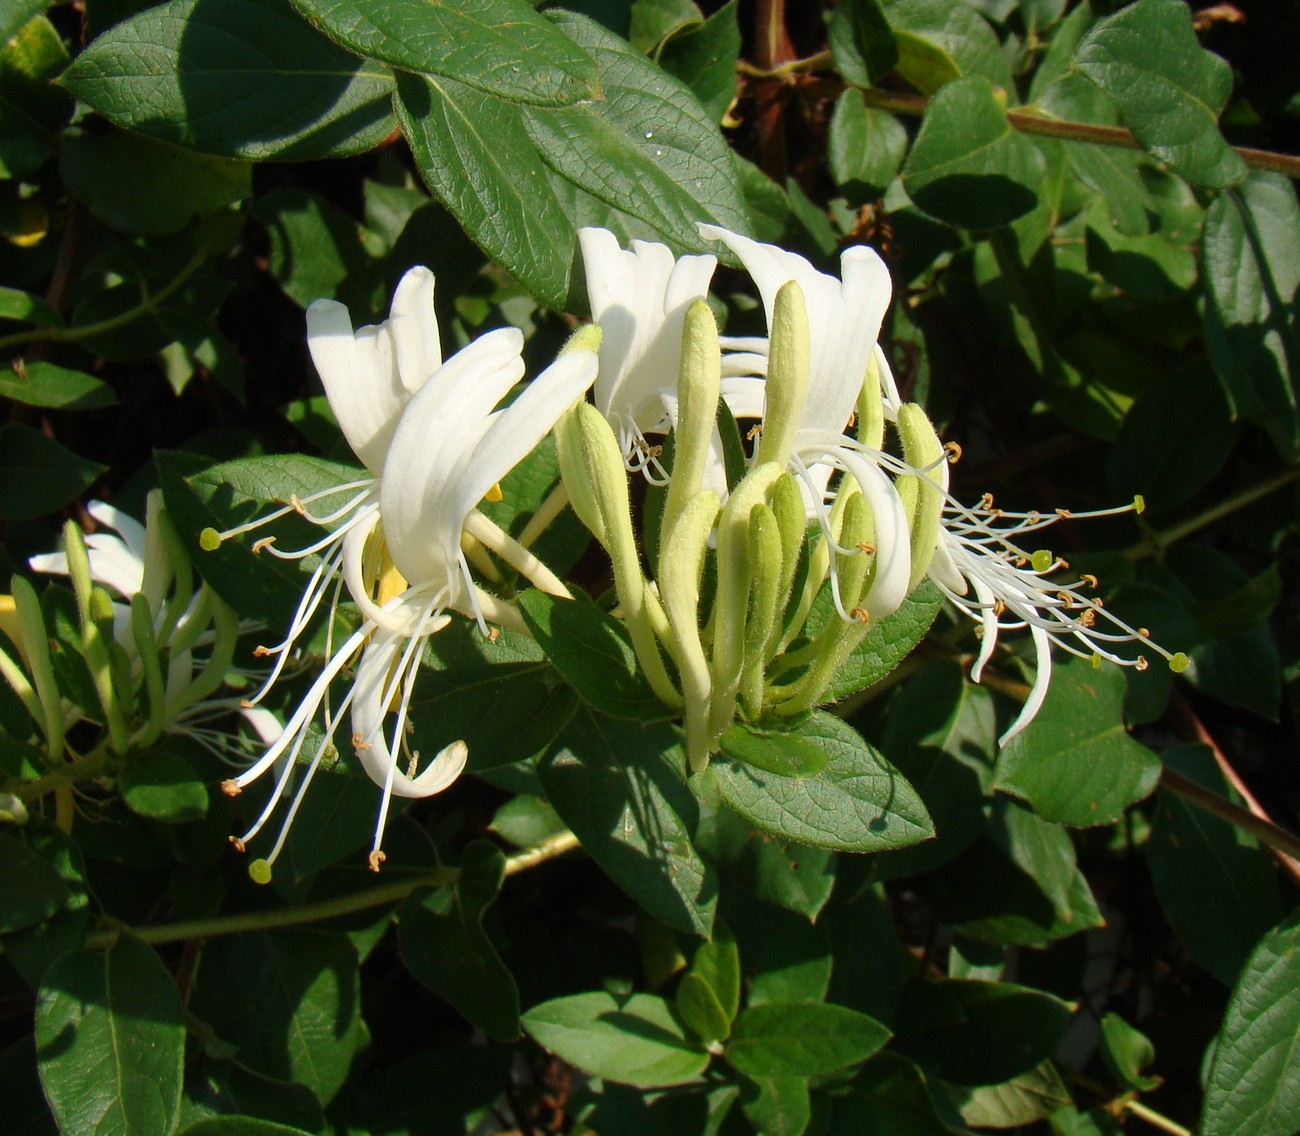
x,y
766,577
871,408
585,338
681,564
922,504
699,379
35,645
787,375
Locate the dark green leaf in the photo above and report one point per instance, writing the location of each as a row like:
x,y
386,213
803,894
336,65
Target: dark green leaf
x,y
794,965
704,58
525,820
1170,90
717,962
476,157
110,1041
17,13
31,889
245,78
298,1014
445,947
782,752
44,384
938,42
500,698
1074,763
223,1088
967,166
857,803
1022,1100
1127,1052
866,147
240,1126
1250,253
19,305
32,108
140,185
594,652
621,788
776,1106
699,1009
980,1033
802,1039
1217,886
164,786
890,1095
634,1042
38,475
1254,1083
501,47
862,42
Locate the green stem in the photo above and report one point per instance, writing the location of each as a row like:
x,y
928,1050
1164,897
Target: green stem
x,y
1128,1102
395,892
98,763
1154,543
1034,122
146,305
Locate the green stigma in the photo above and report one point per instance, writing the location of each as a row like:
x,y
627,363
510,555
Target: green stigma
x,y
1179,662
1139,503
259,871
1042,560
1096,662
209,540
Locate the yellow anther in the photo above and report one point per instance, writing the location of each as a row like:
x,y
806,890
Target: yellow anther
x,y
1064,513
999,608
265,542
230,788
1090,580
952,451
376,858
295,504
1144,633
867,547
755,431
236,843
1067,600
986,502
358,742
494,494
493,634
261,652
1141,663
861,615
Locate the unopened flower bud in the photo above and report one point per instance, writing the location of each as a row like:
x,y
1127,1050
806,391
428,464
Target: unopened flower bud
x,y
699,379
787,375
922,503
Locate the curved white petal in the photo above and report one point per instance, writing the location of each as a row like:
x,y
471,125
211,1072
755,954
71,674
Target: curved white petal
x,y
128,528
639,298
1037,692
414,329
369,709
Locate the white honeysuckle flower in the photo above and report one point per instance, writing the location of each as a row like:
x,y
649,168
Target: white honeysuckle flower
x,y
639,297
398,542
116,558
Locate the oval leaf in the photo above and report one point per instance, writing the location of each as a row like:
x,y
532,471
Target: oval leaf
x,y
802,1039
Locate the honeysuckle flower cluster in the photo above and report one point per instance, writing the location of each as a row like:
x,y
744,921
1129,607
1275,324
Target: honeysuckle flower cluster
x,y
158,651
820,393
401,538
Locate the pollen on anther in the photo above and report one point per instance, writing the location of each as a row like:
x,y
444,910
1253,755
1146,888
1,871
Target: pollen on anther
x,y
1144,633
358,742
1090,580
236,843
376,858
296,505
1065,513
754,432
493,634
861,615
260,652
867,547
1141,663
230,787
244,704
265,542
952,451
986,502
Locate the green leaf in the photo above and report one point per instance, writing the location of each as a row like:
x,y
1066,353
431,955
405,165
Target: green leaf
x,y
704,58
32,949
794,965
44,384
776,1106
594,653
19,305
1022,1100
525,820
240,1126
653,22
939,41
445,947
32,108
647,148
298,1014
17,13
31,889
500,698
699,1009
621,788
110,1042
1250,258
164,786
638,1041
1114,174
477,159
1218,888
141,185
1127,1052
889,1095
866,147
967,166
244,78
1074,763
1170,90
784,753
1254,1084
802,1039
857,803
717,962
980,1033
862,42
500,47
941,733
38,475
